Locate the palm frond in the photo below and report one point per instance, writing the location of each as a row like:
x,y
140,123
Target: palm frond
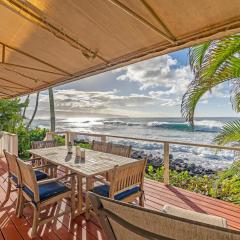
x,y
196,56
235,95
212,63
230,132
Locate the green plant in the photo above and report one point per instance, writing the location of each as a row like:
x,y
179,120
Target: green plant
x,y
213,63
84,145
10,114
224,185
25,137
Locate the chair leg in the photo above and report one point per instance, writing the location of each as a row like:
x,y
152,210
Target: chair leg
x,y
19,192
35,222
73,203
141,200
9,187
21,205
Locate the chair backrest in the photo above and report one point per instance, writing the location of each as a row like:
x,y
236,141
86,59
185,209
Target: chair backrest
x,y
43,144
127,176
100,146
28,178
119,220
12,164
118,149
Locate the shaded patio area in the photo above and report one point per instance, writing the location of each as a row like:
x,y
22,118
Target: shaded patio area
x,y
157,195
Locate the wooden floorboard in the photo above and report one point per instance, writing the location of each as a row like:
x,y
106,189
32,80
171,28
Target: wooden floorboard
x,y
157,195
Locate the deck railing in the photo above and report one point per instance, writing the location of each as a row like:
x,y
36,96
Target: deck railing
x,y
9,142
70,136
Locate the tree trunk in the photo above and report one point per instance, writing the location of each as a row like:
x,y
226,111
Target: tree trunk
x,y
26,105
34,112
52,110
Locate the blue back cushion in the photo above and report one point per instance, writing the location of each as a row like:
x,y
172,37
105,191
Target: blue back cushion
x,y
39,175
103,190
48,190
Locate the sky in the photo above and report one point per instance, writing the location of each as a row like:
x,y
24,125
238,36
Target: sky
x,y
151,88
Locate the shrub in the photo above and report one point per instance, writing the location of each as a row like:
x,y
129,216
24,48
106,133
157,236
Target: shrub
x,y
224,185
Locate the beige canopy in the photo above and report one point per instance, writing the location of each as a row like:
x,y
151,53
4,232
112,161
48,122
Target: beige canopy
x,y
48,42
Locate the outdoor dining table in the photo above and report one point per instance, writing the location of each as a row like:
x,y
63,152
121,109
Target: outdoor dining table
x,y
95,163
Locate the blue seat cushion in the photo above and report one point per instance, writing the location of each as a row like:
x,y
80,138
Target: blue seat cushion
x,y
48,190
103,190
39,175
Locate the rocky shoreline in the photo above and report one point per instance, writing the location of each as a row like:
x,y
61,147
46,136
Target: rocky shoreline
x,y
177,164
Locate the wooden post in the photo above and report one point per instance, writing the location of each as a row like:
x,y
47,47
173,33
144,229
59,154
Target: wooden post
x,y
66,138
166,163
49,136
14,144
103,138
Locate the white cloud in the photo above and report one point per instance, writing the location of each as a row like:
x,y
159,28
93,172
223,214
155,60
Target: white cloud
x,y
161,71
75,102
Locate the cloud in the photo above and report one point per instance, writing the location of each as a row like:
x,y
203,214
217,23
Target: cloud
x,y
161,71
75,102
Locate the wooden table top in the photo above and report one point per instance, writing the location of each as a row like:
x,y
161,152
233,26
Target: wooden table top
x,y
95,162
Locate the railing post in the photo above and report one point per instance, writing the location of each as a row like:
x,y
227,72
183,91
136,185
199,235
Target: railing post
x,y
103,138
66,138
49,136
166,163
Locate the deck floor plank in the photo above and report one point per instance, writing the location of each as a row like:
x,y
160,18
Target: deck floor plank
x,y
157,195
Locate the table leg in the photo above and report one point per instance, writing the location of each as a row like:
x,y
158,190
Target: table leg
x,y
89,186
80,194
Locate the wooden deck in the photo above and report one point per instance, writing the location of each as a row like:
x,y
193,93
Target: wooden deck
x,y
157,195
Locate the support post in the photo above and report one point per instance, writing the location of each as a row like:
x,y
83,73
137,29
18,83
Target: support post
x,y
66,138
166,163
49,136
103,138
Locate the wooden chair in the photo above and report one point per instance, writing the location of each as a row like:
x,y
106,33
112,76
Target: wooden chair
x,y
13,176
100,146
44,193
38,161
118,149
43,144
126,184
112,148
125,221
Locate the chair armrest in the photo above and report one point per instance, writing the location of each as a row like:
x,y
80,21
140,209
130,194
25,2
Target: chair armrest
x,y
32,159
101,179
55,179
45,166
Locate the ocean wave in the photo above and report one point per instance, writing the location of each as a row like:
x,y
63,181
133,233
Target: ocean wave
x,y
203,126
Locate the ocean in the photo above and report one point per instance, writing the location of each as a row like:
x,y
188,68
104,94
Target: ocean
x,y
173,129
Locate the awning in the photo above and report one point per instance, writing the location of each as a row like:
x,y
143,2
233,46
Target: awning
x,y
49,42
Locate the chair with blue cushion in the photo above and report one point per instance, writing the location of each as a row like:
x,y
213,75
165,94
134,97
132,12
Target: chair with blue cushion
x,y
13,176
41,194
126,183
37,161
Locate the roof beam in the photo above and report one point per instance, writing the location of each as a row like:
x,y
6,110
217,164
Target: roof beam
x,y
22,74
35,69
14,83
155,15
142,20
35,58
35,16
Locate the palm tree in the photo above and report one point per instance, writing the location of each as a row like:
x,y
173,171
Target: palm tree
x,y
52,109
214,63
34,112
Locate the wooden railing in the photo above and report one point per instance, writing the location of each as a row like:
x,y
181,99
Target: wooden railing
x,y
9,142
70,136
